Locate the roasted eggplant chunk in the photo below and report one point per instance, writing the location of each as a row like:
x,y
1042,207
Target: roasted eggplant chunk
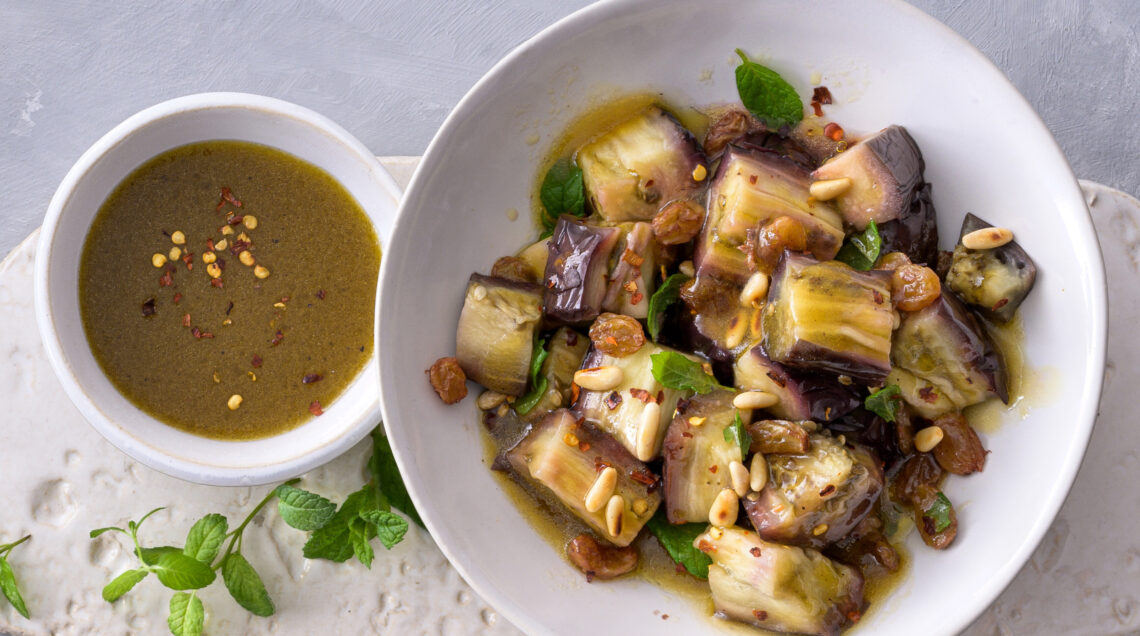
x,y
576,269
495,337
950,357
886,173
779,587
622,410
915,232
803,396
640,165
994,280
816,498
753,187
632,280
565,352
697,456
829,317
566,457
780,436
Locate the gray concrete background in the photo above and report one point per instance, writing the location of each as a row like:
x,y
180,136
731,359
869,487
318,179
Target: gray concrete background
x,y
390,70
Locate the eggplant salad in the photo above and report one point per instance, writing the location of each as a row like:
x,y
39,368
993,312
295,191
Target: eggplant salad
x,y
747,343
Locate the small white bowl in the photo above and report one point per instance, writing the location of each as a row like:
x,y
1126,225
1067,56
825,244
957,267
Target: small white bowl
x,y
208,116
886,62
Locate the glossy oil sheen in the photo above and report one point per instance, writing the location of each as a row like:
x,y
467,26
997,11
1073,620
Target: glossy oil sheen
x,y
311,235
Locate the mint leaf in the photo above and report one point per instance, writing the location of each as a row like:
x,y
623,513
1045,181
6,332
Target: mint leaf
x,y
205,538
386,473
10,589
360,534
180,572
245,585
390,527
861,249
186,615
767,95
677,371
123,584
885,402
538,385
667,294
302,509
678,542
562,192
96,533
939,512
735,433
333,541
150,556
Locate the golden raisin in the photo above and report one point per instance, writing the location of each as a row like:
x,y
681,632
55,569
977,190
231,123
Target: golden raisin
x,y
678,222
514,268
914,287
960,452
892,261
448,380
779,234
617,335
729,126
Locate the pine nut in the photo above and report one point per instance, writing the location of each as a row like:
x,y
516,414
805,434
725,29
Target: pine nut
x,y
178,238
234,402
987,238
175,253
615,509
599,378
828,189
260,272
249,221
700,172
758,472
209,257
602,490
158,260
740,477
926,439
246,258
222,244
647,431
755,290
755,400
724,508
489,400
686,268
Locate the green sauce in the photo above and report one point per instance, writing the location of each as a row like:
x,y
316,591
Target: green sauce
x,y
322,258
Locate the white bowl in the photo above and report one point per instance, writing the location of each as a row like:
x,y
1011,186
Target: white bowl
x,y
177,122
986,152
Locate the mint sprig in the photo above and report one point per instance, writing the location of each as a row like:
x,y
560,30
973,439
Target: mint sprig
x,y
736,433
939,512
8,578
562,192
678,542
767,95
861,249
885,402
668,293
677,371
538,384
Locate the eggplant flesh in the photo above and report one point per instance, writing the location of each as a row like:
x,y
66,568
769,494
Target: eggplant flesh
x,y
565,352
803,396
494,339
751,188
780,436
886,173
697,456
779,587
565,456
640,165
915,232
576,270
632,280
816,498
995,281
619,411
829,317
945,347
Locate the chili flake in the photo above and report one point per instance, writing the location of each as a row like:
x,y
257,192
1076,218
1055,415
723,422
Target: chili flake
x,y
166,280
315,408
148,308
311,378
256,361
186,320
320,294
277,338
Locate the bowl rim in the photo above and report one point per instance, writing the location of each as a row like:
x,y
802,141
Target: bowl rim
x,y
139,448
1094,279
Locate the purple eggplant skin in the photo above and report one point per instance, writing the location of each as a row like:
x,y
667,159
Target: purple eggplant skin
x,y
946,346
576,270
887,172
815,499
494,338
803,395
915,232
638,247
995,281
867,429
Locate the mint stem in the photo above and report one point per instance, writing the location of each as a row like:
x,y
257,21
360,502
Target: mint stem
x,y
235,536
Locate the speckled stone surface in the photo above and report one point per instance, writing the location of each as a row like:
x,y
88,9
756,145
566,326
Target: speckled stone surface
x,y
63,479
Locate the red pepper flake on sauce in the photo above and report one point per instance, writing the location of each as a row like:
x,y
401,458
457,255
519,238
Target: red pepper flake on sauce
x,y
196,332
760,615
227,197
613,400
166,280
177,297
148,308
320,294
315,408
186,320
216,282
641,394
834,131
238,246
636,297
311,378
256,361
820,95
235,219
755,552
277,338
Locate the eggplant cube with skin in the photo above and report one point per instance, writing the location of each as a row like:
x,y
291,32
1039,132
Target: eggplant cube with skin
x,y
565,458
751,188
829,317
886,175
494,340
565,352
641,164
697,456
803,396
779,587
632,280
621,411
994,280
816,498
576,269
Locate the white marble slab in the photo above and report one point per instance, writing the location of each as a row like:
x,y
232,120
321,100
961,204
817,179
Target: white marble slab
x,y
61,479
